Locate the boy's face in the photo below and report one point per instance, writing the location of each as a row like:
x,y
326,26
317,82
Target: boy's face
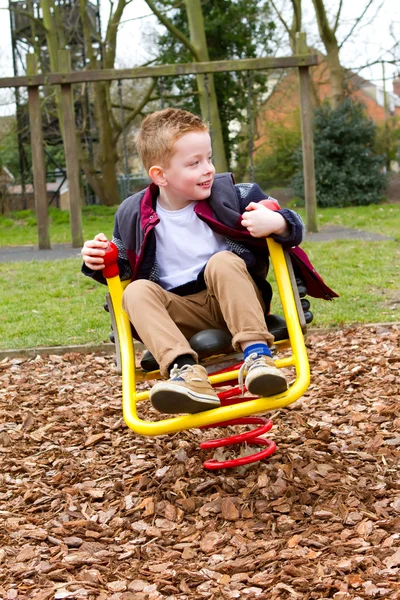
x,y
190,173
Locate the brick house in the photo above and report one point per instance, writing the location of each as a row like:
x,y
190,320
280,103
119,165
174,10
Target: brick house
x,y
281,106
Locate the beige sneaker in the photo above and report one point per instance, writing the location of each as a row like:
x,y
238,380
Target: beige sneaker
x,y
187,391
263,378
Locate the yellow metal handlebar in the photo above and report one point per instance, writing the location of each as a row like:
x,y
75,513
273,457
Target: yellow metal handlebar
x,y
260,405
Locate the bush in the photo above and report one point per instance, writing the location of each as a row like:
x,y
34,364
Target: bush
x,y
348,171
387,140
279,163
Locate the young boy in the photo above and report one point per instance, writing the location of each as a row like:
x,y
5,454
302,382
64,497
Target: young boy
x,y
193,246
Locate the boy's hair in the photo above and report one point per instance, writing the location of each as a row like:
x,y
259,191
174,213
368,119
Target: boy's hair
x,y
159,132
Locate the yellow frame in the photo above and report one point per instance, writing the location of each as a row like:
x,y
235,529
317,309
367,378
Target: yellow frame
x,y
298,359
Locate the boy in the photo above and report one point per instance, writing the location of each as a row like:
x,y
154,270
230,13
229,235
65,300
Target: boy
x,y
193,246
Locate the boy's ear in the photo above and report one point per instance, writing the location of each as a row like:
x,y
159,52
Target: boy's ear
x,y
157,176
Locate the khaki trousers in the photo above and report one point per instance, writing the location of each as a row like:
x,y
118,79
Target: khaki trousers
x,y
165,322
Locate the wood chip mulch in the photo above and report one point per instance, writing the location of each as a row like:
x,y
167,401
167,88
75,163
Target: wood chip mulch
x,y
89,510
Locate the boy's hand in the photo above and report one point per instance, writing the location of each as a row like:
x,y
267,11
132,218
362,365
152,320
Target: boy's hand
x,y
260,221
93,252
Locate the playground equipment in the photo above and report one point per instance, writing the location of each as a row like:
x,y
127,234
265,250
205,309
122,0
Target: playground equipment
x,y
235,408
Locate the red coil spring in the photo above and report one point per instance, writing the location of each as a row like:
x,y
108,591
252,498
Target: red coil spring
x,y
250,437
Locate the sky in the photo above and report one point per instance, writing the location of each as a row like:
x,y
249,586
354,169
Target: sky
x,y
371,42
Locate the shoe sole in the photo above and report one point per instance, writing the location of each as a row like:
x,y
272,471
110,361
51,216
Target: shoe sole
x,y
173,399
267,385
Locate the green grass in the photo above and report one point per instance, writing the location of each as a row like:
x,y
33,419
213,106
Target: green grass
x,y
366,275
50,303
19,228
384,219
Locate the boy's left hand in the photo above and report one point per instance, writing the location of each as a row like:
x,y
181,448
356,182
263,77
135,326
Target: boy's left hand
x,y
260,221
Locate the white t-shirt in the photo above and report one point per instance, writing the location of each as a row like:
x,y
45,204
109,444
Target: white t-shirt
x,y
184,245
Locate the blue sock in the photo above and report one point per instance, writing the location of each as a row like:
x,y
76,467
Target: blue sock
x,y
258,348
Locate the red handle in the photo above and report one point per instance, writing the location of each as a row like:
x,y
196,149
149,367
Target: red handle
x,y
110,261
271,204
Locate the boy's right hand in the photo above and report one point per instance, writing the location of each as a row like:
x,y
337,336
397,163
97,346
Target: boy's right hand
x,y
93,252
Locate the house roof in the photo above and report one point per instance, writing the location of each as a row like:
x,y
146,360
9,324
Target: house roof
x,y
372,90
17,189
6,175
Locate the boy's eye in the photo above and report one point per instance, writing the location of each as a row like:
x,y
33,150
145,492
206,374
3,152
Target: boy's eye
x,y
195,162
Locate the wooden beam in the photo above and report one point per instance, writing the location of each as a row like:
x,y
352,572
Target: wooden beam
x,y
306,117
245,64
38,163
71,154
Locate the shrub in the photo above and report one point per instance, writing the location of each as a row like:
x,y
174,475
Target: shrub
x,y
348,171
278,164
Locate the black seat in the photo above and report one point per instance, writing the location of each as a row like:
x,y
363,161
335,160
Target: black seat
x,y
216,341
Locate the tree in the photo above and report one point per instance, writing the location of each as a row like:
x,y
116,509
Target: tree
x,y
196,43
328,36
95,102
234,29
277,164
348,170
327,29
296,24
388,140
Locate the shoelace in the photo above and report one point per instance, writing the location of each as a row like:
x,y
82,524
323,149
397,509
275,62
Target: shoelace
x,y
251,360
179,371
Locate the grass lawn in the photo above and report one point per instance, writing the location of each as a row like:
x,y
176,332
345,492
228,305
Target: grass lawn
x,y
384,219
51,303
19,228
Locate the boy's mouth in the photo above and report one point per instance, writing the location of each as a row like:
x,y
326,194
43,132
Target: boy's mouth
x,y
205,183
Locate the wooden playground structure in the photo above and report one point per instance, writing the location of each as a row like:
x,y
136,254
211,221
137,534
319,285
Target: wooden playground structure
x,y
33,81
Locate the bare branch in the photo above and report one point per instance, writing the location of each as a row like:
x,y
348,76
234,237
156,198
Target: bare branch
x,y
376,62
111,34
86,33
280,17
25,13
337,20
164,12
357,21
326,32
138,109
297,17
172,29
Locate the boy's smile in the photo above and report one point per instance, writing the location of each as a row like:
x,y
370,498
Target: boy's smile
x,y
190,173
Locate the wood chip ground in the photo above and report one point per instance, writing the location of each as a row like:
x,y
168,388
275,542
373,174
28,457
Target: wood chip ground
x,y
89,510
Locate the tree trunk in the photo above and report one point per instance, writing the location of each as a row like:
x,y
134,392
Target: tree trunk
x,y
53,47
205,83
108,156
293,30
336,75
104,185
328,37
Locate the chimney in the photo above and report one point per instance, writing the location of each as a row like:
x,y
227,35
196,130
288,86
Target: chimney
x,y
396,85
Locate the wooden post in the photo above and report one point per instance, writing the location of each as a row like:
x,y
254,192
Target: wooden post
x,y
39,169
307,138
71,152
